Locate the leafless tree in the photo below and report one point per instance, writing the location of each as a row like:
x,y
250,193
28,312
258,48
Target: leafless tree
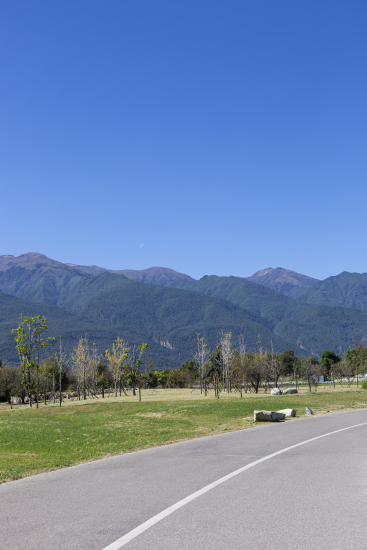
x,y
255,370
80,365
227,350
274,367
116,359
93,370
309,369
201,357
62,364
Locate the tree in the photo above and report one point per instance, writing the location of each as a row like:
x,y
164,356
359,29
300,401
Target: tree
x,y
81,361
93,369
8,381
359,346
238,367
255,369
200,357
190,371
274,367
310,369
328,359
116,358
227,350
215,363
61,362
132,369
150,378
103,377
288,361
50,380
355,358
29,344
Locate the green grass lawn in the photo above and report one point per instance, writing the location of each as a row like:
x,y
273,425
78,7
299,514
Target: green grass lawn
x,y
33,441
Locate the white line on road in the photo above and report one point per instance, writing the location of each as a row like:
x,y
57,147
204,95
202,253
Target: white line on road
x,y
119,543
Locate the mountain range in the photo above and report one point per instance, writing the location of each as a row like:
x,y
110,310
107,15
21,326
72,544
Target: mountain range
x,y
277,307
282,280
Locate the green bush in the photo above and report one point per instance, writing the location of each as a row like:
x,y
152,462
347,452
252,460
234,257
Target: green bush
x,y
364,385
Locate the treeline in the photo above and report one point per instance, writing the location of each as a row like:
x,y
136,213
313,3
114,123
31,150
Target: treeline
x,y
121,369
229,368
86,373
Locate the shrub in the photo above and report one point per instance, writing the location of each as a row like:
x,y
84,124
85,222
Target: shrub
x,y
364,385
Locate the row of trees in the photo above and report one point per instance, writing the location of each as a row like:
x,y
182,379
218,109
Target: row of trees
x,y
85,371
229,367
226,368
121,365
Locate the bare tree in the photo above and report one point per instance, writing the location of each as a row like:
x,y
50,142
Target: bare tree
x,y
255,370
274,366
132,369
359,344
116,358
242,360
61,361
93,370
227,350
238,368
81,362
310,369
201,357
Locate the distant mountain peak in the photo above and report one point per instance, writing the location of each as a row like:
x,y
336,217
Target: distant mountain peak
x,y
263,272
282,280
28,261
155,275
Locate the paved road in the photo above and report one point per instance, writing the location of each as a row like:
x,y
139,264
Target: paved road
x,y
313,496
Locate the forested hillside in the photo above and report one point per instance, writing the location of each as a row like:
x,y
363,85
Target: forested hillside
x,y
70,327
314,327
344,290
167,319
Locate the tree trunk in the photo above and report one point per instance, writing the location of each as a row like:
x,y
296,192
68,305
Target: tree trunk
x,y
357,374
37,383
60,385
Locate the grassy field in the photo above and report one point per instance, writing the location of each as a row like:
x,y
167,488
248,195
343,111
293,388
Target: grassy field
x,y
34,441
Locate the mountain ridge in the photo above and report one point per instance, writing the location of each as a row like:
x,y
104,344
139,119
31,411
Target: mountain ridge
x,y
343,290
282,280
173,312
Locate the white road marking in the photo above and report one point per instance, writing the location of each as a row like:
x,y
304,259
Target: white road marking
x,y
119,543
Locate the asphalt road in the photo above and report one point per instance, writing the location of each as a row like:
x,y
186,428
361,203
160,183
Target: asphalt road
x,y
313,496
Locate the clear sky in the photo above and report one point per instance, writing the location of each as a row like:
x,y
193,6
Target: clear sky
x,y
212,137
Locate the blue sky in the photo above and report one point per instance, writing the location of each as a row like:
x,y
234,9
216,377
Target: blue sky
x,y
227,136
